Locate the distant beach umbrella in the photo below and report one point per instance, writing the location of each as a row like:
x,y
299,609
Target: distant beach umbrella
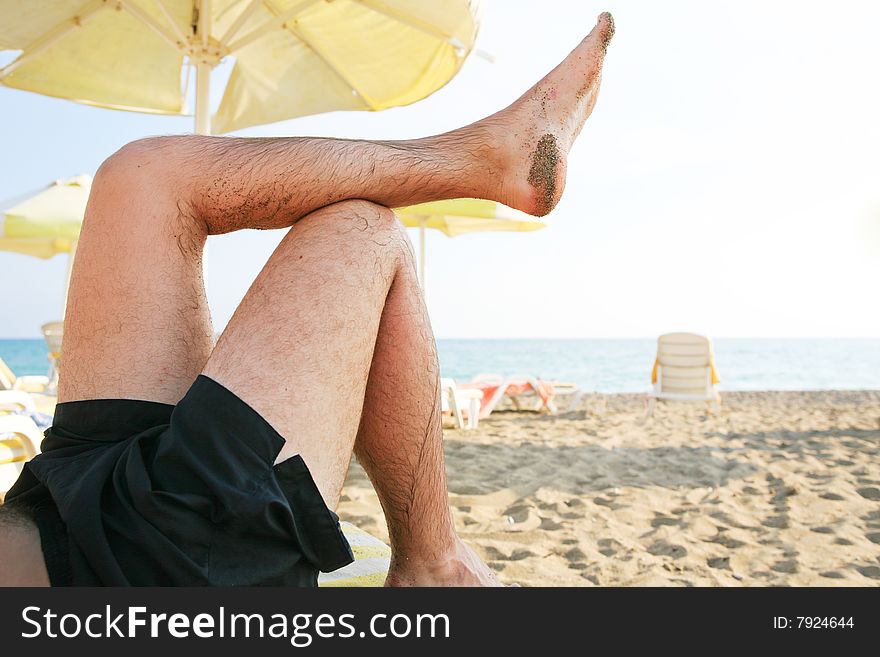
x,y
47,223
292,57
461,216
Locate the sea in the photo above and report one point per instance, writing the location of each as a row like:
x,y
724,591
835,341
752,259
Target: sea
x,y
621,365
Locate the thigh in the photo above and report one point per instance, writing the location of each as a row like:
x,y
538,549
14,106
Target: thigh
x,y
137,324
298,349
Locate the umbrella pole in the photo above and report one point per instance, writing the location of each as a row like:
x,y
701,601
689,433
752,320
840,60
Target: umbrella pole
x,y
203,98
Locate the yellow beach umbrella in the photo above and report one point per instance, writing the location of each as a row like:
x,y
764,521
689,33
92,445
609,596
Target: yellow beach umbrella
x,y
292,57
47,223
461,216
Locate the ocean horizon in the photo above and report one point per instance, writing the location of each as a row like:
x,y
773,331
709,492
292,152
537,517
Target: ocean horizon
x,y
621,365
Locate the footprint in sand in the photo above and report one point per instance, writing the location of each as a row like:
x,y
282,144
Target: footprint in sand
x,y
871,572
874,537
834,497
722,563
576,559
601,501
822,530
496,555
831,574
519,555
872,520
519,512
870,493
727,541
608,547
788,566
776,522
781,492
664,549
549,525
493,553
660,520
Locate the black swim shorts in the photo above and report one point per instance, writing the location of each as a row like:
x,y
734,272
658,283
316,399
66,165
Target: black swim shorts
x,y
138,493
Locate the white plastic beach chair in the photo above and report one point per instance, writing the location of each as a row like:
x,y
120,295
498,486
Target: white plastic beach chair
x,y
8,380
53,332
16,401
19,442
684,370
455,400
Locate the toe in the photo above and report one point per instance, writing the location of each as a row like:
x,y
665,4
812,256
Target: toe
x,y
603,31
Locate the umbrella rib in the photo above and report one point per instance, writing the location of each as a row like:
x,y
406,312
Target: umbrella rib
x,y
168,17
204,21
411,21
48,38
277,21
151,22
329,63
239,21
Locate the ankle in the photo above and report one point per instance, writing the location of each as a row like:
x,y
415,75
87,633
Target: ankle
x,y
457,567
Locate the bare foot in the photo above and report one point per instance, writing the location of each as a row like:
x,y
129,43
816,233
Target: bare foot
x,y
462,568
537,131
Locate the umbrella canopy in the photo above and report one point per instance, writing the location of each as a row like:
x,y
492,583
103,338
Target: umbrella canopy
x,y
292,57
461,216
47,223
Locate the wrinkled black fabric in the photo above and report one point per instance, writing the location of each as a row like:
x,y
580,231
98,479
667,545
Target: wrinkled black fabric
x,y
148,494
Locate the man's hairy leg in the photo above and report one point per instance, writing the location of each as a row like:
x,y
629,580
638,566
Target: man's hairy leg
x,y
332,344
138,323
516,156
400,445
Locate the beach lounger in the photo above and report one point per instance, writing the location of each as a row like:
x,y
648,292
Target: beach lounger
x,y
684,370
53,333
19,442
14,401
8,380
561,390
372,559
455,399
21,403
515,388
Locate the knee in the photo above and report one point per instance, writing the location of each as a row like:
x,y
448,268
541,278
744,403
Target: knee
x,y
134,162
363,220
138,173
143,182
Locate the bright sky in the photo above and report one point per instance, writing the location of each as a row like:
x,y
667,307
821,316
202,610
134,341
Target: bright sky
x,y
727,183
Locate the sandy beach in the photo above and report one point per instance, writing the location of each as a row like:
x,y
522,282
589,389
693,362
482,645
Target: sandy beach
x,y
780,488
